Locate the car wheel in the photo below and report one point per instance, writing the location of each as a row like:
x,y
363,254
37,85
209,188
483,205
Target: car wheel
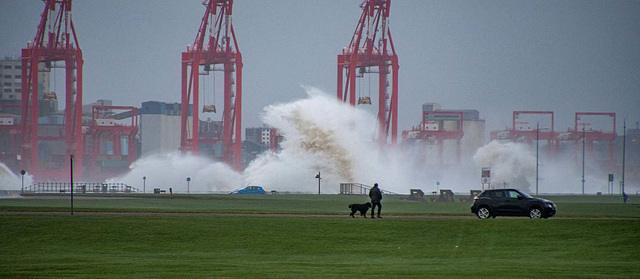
x,y
483,212
535,213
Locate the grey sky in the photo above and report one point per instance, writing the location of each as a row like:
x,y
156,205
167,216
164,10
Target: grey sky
x,y
494,56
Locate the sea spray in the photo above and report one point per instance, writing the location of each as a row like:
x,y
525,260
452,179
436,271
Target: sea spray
x,y
11,181
512,164
171,170
322,135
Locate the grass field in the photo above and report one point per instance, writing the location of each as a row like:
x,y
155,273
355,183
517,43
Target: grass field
x,y
590,238
568,206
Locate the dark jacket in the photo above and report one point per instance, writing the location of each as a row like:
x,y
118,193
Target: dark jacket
x,y
375,194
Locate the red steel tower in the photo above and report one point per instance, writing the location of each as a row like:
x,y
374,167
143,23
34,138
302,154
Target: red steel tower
x,y
55,40
220,48
104,128
432,129
528,132
368,49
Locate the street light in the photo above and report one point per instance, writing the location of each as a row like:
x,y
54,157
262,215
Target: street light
x,y
624,142
144,184
71,178
537,156
584,139
188,180
22,172
318,177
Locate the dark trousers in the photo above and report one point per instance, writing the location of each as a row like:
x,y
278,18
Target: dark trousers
x,y
373,207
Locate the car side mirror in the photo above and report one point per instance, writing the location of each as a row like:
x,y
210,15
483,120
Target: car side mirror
x,y
520,197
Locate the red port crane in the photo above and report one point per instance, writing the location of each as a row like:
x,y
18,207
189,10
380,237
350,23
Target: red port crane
x,y
55,40
372,46
589,135
220,48
527,132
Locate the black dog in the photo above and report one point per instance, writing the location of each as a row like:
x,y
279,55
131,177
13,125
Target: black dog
x,y
363,208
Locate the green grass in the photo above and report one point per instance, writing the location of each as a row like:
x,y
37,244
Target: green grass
x,y
83,246
162,246
568,206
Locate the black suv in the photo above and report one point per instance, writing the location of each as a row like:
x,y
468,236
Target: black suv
x,y
511,202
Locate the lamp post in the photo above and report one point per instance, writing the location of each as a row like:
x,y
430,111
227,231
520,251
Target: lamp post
x,y
624,141
144,184
188,180
22,172
318,177
537,153
71,184
584,139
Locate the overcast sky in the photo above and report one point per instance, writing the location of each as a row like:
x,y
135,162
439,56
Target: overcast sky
x,y
493,56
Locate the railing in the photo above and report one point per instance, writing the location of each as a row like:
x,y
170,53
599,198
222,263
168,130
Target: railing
x,y
79,187
358,189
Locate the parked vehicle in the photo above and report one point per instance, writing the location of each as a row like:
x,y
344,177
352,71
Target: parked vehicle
x,y
511,202
249,190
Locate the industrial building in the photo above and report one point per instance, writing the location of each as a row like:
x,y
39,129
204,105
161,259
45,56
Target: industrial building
x,y
258,140
11,89
446,136
159,126
259,135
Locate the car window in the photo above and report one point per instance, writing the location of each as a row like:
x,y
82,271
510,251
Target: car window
x,y
513,194
499,194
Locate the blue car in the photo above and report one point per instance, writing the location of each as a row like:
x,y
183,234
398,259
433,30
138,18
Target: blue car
x,y
250,190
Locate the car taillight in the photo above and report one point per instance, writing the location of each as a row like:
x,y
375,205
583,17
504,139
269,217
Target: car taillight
x,y
476,198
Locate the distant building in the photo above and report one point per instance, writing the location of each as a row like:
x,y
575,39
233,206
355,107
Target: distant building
x,y
11,88
210,129
159,127
258,140
86,108
259,135
439,136
472,127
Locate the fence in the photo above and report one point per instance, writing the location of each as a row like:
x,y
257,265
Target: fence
x,y
358,189
79,187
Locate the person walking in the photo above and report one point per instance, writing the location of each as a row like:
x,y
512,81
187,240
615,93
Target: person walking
x,y
376,196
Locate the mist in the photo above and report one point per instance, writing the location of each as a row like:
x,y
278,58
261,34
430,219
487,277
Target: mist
x,y
513,165
10,181
171,170
321,134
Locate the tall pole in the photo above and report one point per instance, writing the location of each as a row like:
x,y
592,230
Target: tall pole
x,y
22,172
144,184
537,148
318,177
584,139
624,141
71,167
